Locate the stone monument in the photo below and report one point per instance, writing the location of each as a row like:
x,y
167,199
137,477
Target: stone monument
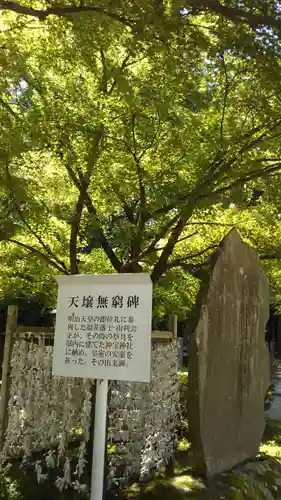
x,y
229,368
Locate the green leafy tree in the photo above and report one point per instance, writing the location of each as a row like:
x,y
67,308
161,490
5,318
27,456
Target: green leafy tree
x,y
130,136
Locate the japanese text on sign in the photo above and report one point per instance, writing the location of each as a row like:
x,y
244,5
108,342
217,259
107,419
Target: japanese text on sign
x,y
103,302
108,339
102,334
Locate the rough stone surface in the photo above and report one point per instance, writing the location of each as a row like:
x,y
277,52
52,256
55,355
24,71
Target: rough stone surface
x,y
229,368
260,479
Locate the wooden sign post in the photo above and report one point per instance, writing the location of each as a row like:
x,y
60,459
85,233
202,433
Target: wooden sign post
x,y
103,332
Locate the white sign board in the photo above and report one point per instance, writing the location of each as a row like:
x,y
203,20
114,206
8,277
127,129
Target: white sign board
x,y
103,327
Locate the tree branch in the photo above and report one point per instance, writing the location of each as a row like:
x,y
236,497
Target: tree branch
x,y
83,190
141,219
226,89
59,11
8,108
210,224
224,165
60,263
158,249
161,265
267,159
180,261
159,236
219,167
122,67
104,79
234,14
221,163
129,212
253,175
116,263
41,254
20,26
273,256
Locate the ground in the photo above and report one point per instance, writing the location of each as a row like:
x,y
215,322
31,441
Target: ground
x,y
256,480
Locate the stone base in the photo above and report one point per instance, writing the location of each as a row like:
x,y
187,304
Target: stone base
x,y
259,479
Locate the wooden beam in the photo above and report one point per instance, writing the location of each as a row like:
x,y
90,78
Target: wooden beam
x,y
11,327
157,335
161,336
173,325
36,330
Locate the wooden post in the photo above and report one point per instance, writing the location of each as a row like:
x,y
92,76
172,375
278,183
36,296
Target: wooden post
x,y
89,446
106,457
11,326
173,327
